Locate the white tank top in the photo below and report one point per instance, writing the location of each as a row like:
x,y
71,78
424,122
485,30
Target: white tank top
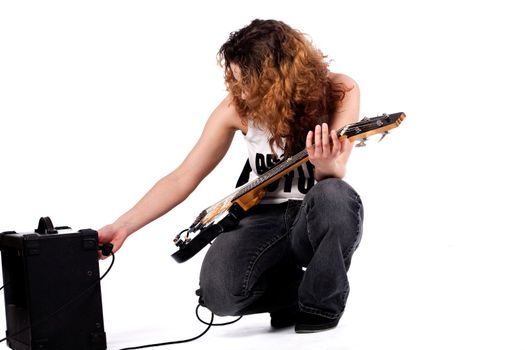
x,y
294,185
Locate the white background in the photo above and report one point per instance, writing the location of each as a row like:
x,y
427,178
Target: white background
x,y
99,99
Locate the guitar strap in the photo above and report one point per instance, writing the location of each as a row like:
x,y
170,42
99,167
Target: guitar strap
x,y
244,177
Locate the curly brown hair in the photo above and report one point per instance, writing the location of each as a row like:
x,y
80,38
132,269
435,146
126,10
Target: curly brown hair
x,y
284,86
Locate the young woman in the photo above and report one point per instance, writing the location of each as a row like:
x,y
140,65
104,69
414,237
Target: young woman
x,y
290,255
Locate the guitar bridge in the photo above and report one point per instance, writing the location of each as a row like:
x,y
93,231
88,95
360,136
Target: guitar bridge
x,y
180,241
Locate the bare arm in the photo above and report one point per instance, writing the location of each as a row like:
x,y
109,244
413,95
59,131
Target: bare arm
x,y
175,187
329,155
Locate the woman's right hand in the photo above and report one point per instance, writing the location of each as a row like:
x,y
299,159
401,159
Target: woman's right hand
x,y
112,234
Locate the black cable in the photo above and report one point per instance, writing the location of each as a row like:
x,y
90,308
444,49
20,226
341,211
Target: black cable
x,y
60,309
178,341
214,324
209,324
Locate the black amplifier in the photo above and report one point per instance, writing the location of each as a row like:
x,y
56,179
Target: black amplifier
x,y
52,289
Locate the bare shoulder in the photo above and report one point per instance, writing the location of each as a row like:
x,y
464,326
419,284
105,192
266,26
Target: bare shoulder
x,y
226,114
340,78
348,109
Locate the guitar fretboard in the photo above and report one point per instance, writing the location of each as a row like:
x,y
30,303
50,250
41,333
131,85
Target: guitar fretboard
x,y
281,168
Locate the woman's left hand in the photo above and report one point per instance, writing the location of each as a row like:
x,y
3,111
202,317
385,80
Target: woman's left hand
x,y
324,148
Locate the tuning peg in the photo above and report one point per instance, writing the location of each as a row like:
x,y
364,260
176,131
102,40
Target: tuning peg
x,y
362,142
383,136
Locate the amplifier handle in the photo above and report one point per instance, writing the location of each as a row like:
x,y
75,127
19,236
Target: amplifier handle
x,y
45,226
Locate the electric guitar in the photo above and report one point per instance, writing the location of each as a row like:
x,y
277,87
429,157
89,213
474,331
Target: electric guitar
x,y
226,214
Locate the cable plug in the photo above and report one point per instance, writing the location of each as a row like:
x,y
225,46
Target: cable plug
x,y
106,249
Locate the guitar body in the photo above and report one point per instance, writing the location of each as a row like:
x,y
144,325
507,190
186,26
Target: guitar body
x,y
229,220
250,199
226,214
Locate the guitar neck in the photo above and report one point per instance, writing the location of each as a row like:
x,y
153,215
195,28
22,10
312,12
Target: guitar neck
x,y
273,174
352,132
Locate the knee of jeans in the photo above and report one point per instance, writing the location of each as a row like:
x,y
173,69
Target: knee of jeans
x,y
220,300
333,190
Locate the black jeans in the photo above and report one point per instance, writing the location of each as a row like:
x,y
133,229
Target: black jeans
x,y
258,266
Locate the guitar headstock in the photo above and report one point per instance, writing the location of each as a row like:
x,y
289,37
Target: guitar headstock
x,y
371,126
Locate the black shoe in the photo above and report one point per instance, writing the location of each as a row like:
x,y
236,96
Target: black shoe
x,y
284,318
310,323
